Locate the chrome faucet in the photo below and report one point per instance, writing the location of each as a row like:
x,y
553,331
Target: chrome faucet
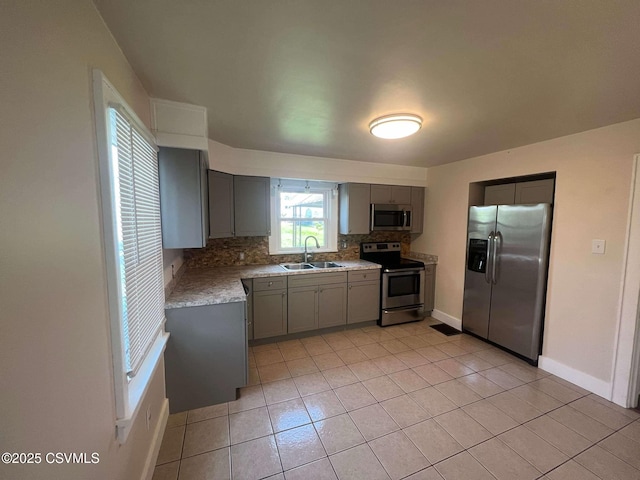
x,y
308,255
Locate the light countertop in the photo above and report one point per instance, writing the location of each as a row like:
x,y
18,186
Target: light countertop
x,y
210,286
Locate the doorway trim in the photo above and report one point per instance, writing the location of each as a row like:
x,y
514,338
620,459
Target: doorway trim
x,y
625,386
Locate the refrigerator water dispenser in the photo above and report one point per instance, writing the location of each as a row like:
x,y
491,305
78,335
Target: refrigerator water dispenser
x,y
477,255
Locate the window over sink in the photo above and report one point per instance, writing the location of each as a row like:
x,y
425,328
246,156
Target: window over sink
x,y
301,209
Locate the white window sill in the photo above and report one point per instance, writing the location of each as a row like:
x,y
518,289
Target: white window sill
x,y
139,385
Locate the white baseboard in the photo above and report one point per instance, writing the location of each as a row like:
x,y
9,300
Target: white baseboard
x,y
448,319
584,380
158,433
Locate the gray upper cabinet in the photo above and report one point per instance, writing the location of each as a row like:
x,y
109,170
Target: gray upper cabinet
x,y
252,209
417,209
355,199
539,191
500,194
183,198
221,223
391,194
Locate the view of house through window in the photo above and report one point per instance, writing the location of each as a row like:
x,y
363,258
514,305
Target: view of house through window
x,y
302,215
302,209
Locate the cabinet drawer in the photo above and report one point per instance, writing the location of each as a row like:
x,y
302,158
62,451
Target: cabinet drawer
x,y
429,269
362,275
269,283
317,279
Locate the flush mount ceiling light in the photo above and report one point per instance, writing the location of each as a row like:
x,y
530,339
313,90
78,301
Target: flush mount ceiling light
x,y
395,126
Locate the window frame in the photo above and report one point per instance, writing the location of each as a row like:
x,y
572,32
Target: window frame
x,y
129,392
330,192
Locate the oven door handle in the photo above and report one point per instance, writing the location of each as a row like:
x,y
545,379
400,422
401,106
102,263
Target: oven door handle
x,y
402,309
404,271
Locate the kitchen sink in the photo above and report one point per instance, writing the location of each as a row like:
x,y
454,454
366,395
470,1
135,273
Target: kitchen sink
x,y
308,266
296,266
325,264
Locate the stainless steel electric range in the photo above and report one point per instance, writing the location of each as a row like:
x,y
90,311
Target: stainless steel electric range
x,y
402,283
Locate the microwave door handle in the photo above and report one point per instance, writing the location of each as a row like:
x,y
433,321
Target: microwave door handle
x,y
373,216
404,218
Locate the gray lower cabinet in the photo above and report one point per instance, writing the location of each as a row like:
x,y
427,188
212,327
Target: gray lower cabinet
x,y
429,287
247,284
363,296
303,309
317,301
269,302
332,305
206,355
183,198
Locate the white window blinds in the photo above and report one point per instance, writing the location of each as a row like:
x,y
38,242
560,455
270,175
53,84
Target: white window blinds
x,y
134,165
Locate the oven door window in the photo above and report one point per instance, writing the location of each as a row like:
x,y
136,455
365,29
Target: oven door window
x,y
402,285
388,218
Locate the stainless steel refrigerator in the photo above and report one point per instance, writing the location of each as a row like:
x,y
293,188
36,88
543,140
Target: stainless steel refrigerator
x,y
506,275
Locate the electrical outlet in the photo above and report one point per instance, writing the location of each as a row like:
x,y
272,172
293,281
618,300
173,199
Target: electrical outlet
x,y
597,246
241,256
148,417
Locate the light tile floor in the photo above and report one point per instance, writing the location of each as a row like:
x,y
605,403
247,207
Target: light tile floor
x,y
401,402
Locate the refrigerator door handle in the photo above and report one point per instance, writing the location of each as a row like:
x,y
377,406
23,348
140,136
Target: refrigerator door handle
x,y
488,264
494,256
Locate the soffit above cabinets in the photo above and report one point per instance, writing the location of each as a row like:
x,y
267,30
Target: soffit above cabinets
x,y
307,77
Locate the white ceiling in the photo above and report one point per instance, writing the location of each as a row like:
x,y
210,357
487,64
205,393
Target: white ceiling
x,y
307,76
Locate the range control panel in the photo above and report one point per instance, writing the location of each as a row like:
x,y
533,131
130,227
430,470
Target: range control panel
x,y
380,247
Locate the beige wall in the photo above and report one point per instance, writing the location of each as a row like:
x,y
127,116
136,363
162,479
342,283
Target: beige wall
x,y
56,380
240,161
592,201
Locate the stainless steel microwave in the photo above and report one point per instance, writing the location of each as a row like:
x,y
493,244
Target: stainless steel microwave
x,y
390,217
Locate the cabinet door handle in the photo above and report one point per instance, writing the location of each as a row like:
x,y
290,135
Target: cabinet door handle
x,y
350,287
283,294
270,283
321,290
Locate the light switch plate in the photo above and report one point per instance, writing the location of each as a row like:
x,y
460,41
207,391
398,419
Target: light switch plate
x,y
597,246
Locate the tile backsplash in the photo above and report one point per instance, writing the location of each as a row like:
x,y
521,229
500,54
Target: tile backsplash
x,y
221,252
